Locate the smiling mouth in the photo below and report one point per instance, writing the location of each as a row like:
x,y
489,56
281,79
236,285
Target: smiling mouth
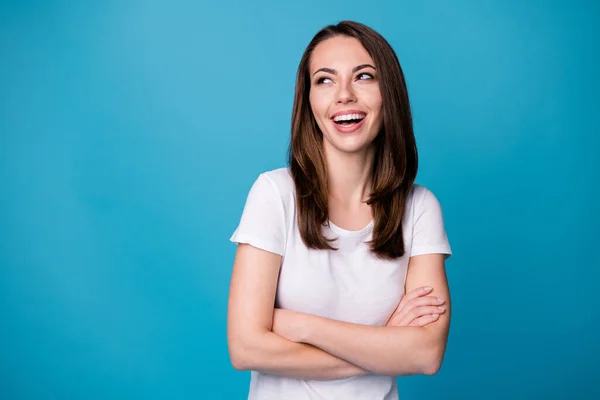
x,y
349,120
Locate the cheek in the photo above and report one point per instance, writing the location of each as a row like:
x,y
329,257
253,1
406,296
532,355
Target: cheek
x,y
376,102
376,108
370,96
317,105
319,111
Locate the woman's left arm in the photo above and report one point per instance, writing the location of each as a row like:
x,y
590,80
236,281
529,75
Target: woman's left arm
x,y
386,350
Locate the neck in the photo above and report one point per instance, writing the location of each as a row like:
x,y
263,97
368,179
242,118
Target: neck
x,y
349,175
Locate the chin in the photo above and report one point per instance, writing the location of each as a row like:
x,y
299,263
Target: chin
x,y
347,146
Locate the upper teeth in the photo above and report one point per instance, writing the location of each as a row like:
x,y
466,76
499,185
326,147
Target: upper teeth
x,y
346,117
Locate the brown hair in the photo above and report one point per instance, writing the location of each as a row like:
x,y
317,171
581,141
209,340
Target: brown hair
x,y
395,163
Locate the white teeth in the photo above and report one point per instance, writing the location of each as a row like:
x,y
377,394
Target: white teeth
x,y
347,117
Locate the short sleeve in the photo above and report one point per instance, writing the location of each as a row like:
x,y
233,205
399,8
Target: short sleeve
x,y
262,223
429,233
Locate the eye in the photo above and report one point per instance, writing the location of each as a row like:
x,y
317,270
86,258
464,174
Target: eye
x,y
364,76
323,80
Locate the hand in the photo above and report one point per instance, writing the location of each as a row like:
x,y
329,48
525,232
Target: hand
x,y
417,309
290,324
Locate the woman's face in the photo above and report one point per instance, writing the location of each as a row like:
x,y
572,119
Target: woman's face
x,y
344,94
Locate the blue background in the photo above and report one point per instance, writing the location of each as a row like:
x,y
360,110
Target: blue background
x,y
131,132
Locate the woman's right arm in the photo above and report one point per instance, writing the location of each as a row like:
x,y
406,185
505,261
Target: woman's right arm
x,y
252,343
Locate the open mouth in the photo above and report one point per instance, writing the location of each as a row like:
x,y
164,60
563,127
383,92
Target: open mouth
x,y
348,120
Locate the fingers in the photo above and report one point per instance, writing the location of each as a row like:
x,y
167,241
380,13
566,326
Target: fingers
x,y
426,310
427,301
418,292
417,308
425,320
411,308
413,294
418,312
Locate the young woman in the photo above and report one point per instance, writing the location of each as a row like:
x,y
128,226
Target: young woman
x,y
339,281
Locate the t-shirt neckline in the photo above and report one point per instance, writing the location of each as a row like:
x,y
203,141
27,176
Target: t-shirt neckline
x,y
345,232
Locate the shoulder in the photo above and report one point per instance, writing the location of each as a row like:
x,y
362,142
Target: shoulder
x,y
275,189
426,222
418,194
265,218
421,199
280,180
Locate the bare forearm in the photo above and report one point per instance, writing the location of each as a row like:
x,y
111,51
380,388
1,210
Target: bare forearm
x,y
273,354
383,350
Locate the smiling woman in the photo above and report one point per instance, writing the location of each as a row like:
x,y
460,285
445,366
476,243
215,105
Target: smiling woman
x,y
339,283
334,90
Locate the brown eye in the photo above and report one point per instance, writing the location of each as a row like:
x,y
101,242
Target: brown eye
x,y
323,80
365,76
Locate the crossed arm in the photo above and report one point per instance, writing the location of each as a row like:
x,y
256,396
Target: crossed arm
x,y
316,348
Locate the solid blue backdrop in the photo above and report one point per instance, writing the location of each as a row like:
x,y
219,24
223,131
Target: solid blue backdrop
x,y
131,132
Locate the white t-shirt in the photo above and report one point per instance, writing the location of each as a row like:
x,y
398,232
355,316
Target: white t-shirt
x,y
349,284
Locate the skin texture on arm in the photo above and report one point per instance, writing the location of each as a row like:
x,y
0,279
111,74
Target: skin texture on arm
x,y
387,350
252,343
429,269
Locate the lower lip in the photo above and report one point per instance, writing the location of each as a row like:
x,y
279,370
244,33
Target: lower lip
x,y
349,129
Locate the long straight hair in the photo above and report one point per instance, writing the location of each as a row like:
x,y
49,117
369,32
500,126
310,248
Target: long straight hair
x,y
396,161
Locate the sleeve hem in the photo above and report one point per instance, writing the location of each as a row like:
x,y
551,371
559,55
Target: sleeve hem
x,y
258,243
446,251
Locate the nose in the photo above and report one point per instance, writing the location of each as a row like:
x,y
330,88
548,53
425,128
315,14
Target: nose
x,y
345,94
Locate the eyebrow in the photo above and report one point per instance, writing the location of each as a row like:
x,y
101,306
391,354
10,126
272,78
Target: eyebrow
x,y
355,69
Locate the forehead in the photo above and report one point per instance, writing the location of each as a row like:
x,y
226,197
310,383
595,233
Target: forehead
x,y
339,53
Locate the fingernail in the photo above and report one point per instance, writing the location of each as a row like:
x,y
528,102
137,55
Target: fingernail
x,y
440,300
427,288
442,307
435,315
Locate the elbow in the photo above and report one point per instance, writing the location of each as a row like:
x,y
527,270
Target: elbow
x,y
433,359
243,351
432,368
238,348
237,361
238,355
